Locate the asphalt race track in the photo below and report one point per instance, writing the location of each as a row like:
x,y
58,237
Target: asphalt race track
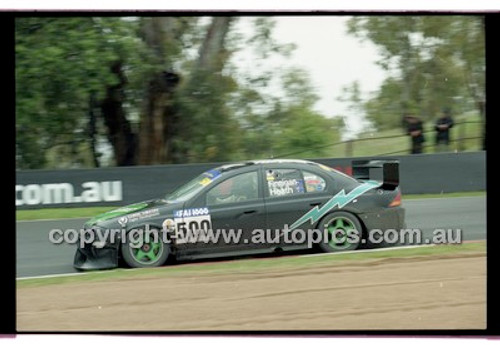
x,y
36,256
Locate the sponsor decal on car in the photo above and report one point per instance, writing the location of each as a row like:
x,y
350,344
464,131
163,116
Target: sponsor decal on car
x,y
210,176
192,212
143,214
122,211
313,185
123,220
168,224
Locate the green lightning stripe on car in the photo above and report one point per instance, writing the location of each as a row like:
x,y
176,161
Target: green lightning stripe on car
x,y
340,200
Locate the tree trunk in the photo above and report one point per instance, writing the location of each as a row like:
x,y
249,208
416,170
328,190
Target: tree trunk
x,y
211,54
204,80
156,120
93,130
120,133
154,132
159,122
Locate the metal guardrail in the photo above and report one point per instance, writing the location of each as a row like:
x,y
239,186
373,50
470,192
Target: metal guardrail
x,y
350,144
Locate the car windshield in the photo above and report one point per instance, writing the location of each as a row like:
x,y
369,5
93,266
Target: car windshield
x,y
188,190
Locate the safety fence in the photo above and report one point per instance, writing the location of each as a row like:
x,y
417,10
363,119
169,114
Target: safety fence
x,y
465,136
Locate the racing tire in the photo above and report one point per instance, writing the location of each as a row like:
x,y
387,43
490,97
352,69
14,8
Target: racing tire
x,y
140,250
343,232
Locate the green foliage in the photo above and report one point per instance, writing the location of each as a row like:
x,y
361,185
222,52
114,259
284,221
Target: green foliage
x,y
209,131
263,42
433,62
309,134
303,129
382,110
287,126
60,62
216,115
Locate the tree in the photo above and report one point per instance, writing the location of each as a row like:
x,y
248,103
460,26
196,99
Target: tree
x,y
429,60
208,129
172,101
61,65
154,91
77,75
299,130
162,36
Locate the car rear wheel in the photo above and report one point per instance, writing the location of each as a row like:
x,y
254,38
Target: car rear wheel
x,y
343,232
145,248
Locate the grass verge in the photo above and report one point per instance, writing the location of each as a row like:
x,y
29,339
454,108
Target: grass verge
x,y
252,266
443,195
63,213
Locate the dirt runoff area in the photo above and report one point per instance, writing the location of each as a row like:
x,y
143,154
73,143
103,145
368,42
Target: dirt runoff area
x,y
390,294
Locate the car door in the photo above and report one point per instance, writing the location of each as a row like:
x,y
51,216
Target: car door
x,y
289,193
235,207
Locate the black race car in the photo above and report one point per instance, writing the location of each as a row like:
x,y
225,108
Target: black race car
x,y
249,208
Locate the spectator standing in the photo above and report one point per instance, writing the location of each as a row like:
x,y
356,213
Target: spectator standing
x,y
442,127
414,128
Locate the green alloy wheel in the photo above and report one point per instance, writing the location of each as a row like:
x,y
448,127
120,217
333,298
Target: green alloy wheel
x,y
344,232
145,249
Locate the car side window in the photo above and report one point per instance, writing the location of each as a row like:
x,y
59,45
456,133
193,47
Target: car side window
x,y
238,188
284,182
313,182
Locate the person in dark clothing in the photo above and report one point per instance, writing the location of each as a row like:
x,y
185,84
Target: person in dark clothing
x,y
414,129
443,125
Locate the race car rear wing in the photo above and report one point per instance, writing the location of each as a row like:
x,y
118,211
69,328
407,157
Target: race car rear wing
x,y
386,171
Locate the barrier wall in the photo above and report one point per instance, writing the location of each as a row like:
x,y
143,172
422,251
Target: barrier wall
x,y
426,173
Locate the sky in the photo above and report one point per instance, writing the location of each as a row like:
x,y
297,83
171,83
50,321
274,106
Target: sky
x,y
333,59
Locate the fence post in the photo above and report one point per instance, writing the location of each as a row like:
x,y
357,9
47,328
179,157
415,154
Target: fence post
x,y
461,136
348,148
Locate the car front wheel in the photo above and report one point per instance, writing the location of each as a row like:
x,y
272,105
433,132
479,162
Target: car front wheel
x,y
145,249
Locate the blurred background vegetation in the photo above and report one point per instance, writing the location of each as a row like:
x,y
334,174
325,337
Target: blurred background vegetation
x,y
119,91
